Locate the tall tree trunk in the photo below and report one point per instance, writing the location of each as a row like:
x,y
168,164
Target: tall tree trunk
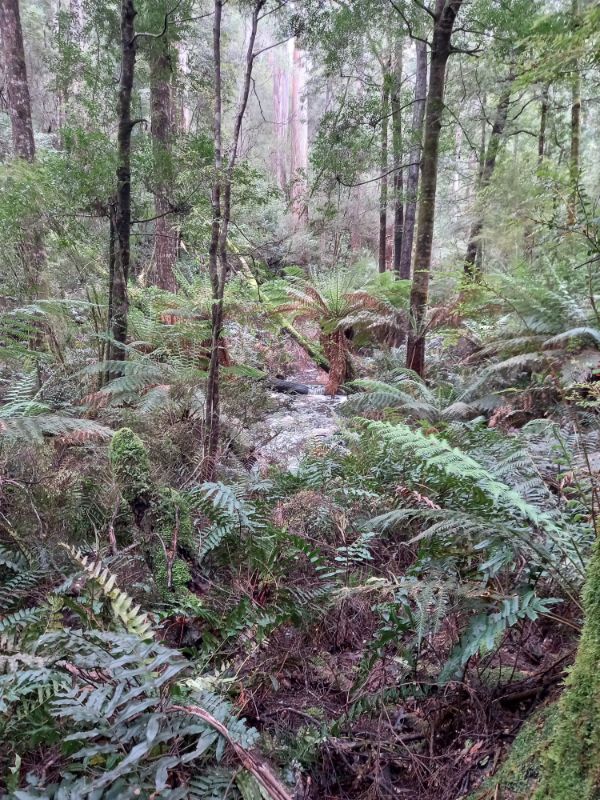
x,y
412,182
575,129
383,164
543,124
17,88
445,15
181,108
299,136
120,301
281,119
487,170
221,215
165,230
529,234
397,148
19,109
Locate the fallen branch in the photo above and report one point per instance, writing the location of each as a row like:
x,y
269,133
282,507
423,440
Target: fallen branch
x,y
261,771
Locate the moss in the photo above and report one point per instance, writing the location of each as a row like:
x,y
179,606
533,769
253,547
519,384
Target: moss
x,y
171,512
501,676
131,468
572,768
181,575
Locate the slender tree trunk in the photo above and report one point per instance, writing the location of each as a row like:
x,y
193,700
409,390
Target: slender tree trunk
x,y
299,136
19,109
487,170
221,215
543,125
412,182
397,148
445,15
529,235
575,130
120,301
383,164
166,237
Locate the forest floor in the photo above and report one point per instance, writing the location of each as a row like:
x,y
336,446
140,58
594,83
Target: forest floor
x,y
306,688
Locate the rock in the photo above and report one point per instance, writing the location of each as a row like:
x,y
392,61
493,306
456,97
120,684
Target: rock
x,y
288,387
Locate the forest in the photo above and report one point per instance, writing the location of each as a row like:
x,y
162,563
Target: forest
x,y
299,399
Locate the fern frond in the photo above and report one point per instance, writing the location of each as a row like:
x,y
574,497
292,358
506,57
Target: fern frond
x,y
123,606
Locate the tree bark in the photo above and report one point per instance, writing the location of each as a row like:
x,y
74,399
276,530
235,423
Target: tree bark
x,y
397,148
122,223
383,164
17,88
281,119
19,109
166,237
575,130
471,269
445,15
412,181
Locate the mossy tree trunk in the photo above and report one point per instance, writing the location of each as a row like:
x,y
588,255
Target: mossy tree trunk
x,y
572,771
221,216
122,221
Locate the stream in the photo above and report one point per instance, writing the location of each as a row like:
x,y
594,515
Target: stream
x,y
301,422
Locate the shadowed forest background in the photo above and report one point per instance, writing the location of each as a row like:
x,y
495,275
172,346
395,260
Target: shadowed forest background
x,y
299,394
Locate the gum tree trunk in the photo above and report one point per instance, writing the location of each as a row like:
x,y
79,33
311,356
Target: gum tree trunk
x,y
412,181
445,15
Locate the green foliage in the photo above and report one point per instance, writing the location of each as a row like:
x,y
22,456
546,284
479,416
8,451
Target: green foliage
x,y
412,398
123,606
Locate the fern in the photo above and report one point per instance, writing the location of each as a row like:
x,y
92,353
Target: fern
x,y
123,606
485,631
